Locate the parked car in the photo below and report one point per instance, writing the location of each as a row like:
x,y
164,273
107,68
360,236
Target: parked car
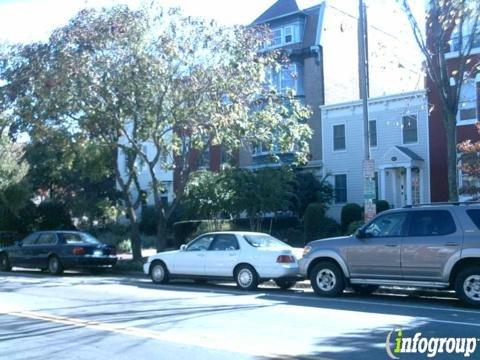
x,y
247,257
56,251
431,246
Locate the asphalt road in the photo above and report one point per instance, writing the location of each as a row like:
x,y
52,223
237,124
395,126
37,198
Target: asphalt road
x,y
81,316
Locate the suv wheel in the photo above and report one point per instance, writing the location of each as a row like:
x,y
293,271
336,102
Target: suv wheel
x,y
5,263
467,285
327,279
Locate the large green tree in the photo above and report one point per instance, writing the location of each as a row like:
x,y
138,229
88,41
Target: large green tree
x,y
128,78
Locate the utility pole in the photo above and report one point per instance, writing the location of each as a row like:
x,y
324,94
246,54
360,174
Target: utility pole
x,y
369,191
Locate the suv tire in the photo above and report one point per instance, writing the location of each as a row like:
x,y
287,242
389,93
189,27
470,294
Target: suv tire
x,y
467,285
327,279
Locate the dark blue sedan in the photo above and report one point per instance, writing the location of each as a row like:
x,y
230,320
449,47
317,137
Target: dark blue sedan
x,y
56,251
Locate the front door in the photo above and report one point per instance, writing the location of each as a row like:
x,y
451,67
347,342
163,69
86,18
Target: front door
x,y
21,254
191,261
431,240
378,254
222,256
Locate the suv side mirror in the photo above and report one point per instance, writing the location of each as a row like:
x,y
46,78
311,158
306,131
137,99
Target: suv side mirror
x,y
360,233
183,247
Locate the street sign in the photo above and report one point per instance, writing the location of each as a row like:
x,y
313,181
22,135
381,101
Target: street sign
x,y
370,211
368,168
369,192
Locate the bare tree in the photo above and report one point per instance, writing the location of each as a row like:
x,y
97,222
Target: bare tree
x,y
448,21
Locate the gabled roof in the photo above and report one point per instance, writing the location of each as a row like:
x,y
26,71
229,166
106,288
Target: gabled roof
x,y
411,154
280,8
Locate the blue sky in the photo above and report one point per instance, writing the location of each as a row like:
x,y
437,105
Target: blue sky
x,y
32,20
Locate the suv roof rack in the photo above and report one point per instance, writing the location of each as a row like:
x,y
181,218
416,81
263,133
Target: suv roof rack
x,y
456,203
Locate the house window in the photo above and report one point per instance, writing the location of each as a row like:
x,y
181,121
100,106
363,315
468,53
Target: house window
x,y
340,188
288,78
466,38
372,133
467,103
288,35
409,125
338,137
276,37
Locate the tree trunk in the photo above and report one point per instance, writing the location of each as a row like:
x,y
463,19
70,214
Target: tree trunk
x,y
135,240
451,130
161,241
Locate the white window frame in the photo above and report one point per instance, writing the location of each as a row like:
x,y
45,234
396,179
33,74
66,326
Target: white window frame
x,y
401,121
295,32
470,102
333,137
335,188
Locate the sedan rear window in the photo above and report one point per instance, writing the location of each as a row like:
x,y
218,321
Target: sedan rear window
x,y
263,241
79,238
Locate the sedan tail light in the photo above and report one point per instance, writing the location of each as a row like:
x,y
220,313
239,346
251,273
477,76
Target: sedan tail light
x,y
78,251
285,259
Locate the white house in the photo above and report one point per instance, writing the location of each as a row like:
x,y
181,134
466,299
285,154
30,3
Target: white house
x,y
398,129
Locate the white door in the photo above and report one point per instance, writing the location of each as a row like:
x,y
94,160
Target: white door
x,y
222,256
191,261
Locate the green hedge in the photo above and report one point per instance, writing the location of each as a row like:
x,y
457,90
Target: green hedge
x,y
350,213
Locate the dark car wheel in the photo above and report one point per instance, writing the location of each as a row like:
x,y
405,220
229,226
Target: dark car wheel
x,y
159,273
285,284
467,285
54,265
327,279
246,277
5,263
364,289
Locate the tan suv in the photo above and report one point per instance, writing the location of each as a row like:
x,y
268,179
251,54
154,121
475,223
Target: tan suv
x,y
431,246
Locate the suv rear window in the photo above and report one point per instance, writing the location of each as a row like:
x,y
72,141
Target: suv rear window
x,y
474,215
431,223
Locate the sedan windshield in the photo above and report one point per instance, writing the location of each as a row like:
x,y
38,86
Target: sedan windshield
x,y
264,241
76,238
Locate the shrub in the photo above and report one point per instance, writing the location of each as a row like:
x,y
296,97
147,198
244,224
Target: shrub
x,y
187,230
350,213
354,226
382,205
312,221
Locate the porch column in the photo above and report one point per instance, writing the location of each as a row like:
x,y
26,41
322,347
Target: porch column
x,y
408,185
395,187
383,184
421,186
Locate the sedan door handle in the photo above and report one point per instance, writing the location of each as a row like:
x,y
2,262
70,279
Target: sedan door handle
x,y
452,244
391,245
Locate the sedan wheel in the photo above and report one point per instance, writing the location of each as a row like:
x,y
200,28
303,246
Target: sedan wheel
x,y
5,263
54,265
159,273
327,279
246,277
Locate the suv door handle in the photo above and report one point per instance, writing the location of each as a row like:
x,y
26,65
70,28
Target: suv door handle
x,y
391,245
452,244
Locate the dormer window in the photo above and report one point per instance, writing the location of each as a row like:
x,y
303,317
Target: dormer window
x,y
289,34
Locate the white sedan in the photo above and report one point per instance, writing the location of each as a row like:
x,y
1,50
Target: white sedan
x,y
247,257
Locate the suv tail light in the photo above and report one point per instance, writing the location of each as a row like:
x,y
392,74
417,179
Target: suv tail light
x,y
78,251
285,259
